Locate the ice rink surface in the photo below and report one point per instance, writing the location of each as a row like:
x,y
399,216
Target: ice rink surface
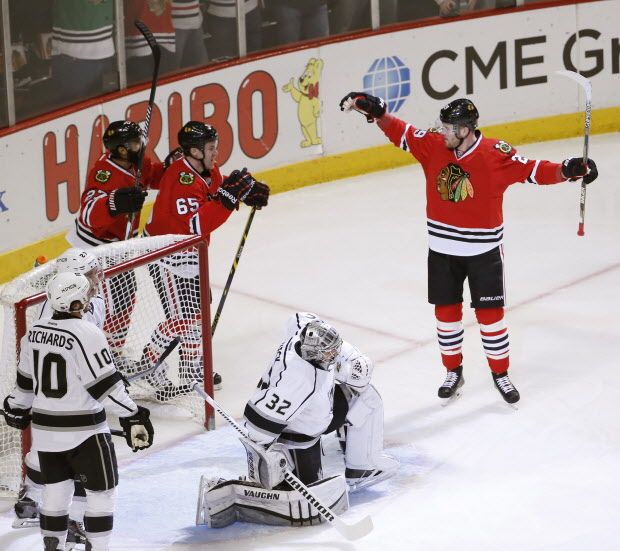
x,y
476,475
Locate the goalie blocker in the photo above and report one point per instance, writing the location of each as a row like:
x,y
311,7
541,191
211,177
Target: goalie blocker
x,y
223,502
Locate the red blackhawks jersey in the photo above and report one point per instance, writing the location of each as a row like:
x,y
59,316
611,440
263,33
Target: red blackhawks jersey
x,y
464,194
184,204
95,225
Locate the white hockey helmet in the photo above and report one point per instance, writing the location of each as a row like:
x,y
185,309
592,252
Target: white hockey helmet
x,y
80,261
68,292
298,321
320,342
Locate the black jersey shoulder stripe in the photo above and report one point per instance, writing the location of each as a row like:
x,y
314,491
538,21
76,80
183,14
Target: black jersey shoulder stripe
x,y
102,386
268,382
284,353
262,422
77,340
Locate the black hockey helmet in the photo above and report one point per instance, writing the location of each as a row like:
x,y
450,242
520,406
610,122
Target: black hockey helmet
x,y
196,134
460,111
121,133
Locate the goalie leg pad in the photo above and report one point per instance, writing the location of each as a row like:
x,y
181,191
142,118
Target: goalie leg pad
x,y
222,502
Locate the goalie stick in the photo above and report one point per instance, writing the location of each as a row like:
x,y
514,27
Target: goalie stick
x,y
233,269
351,532
150,39
587,88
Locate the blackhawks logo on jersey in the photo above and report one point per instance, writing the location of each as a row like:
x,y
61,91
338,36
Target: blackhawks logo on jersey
x,y
504,147
453,184
102,176
186,178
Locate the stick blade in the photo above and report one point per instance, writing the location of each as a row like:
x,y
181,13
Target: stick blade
x,y
356,530
580,79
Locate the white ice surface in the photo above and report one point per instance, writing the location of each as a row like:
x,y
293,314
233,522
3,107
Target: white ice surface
x,y
476,475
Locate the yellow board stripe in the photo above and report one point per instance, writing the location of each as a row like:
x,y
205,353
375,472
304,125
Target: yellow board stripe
x,y
345,165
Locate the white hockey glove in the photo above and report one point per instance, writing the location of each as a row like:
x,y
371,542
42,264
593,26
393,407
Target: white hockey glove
x,y
266,465
355,372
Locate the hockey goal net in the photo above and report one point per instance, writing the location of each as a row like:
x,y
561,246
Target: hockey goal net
x,y
152,291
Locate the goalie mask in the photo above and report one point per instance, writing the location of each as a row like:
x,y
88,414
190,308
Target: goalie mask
x,y
320,343
80,261
68,292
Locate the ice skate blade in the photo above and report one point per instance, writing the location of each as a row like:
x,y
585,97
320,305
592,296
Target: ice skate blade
x,y
445,401
26,523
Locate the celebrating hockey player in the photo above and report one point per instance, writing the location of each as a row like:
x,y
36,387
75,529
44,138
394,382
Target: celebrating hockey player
x,y
316,384
27,510
466,177
65,378
193,198
110,195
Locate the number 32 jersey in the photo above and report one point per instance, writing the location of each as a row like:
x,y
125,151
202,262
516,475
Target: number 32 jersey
x,y
67,376
292,397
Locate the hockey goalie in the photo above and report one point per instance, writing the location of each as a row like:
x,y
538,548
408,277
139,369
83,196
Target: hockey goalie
x,y
316,384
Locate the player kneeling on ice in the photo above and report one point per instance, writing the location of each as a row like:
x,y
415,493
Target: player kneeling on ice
x,y
65,378
315,385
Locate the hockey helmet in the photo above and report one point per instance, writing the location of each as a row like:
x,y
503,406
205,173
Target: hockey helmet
x,y
461,112
121,133
298,321
196,134
68,292
320,342
80,261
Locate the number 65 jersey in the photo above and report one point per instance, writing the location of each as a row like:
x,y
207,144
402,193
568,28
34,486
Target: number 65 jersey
x,y
292,397
66,375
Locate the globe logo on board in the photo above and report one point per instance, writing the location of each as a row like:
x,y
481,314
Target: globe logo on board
x,y
389,79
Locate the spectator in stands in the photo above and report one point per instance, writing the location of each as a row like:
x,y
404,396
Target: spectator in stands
x,y
300,19
157,15
351,15
222,26
82,49
190,44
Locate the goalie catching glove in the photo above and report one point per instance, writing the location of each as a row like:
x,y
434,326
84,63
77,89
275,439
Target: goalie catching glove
x,y
16,417
266,465
126,200
138,429
574,168
371,107
241,186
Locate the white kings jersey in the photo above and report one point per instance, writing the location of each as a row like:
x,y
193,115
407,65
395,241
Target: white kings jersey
x,y
66,375
293,401
94,312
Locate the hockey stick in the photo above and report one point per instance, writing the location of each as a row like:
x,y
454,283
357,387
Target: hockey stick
x,y
233,269
150,39
349,531
587,88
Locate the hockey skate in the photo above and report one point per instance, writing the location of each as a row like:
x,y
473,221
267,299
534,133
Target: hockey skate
x,y
26,510
505,387
358,479
75,535
451,388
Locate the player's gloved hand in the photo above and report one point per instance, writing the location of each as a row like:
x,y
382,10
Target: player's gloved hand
x,y
266,465
138,429
174,155
233,187
371,107
573,169
257,194
126,200
16,417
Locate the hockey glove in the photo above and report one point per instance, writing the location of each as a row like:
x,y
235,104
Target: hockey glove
x,y
371,107
266,465
173,156
16,417
126,200
138,429
233,187
257,195
573,169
